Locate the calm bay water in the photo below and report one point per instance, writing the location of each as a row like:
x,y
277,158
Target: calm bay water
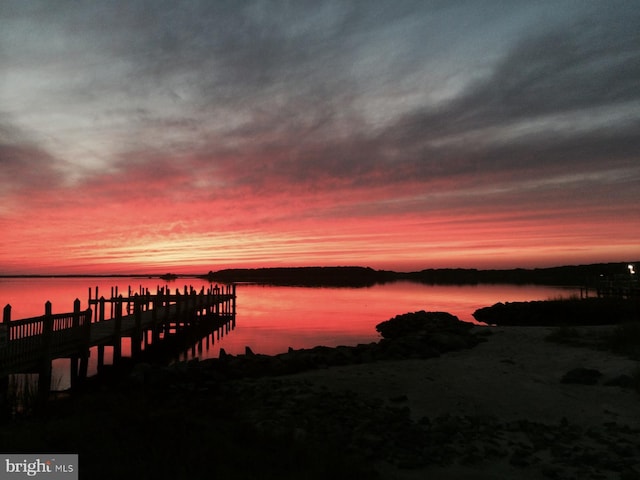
x,y
270,319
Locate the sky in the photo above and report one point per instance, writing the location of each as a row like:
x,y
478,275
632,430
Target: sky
x,y
188,136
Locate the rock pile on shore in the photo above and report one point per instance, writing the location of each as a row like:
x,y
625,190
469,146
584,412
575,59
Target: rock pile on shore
x,y
411,335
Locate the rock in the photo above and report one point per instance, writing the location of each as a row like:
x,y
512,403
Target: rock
x,y
410,324
582,376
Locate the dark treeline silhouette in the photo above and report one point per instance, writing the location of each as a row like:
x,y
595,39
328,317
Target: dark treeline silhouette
x,y
572,275
566,275
304,276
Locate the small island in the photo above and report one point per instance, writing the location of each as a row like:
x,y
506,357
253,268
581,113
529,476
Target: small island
x,y
169,276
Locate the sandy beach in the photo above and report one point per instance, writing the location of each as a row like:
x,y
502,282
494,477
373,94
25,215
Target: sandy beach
x,y
514,376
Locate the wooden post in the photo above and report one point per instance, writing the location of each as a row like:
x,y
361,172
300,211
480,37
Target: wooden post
x,y
155,331
233,312
5,408
157,303
117,341
129,301
101,310
178,309
5,329
44,377
195,300
112,304
86,344
136,339
76,337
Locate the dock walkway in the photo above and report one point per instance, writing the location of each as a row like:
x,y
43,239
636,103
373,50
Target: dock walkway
x,y
29,345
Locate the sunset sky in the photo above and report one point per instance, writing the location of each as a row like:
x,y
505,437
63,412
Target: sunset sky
x,y
167,136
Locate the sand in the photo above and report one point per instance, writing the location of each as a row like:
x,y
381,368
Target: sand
x,y
514,375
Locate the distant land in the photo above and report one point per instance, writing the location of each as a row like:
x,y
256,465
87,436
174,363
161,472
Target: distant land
x,y
571,275
355,276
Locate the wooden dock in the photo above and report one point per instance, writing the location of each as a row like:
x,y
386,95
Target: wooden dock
x,y
30,345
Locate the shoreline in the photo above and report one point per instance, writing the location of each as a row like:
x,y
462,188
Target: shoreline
x,y
515,374
496,410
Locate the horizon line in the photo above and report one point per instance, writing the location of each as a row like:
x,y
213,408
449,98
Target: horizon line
x,y
158,275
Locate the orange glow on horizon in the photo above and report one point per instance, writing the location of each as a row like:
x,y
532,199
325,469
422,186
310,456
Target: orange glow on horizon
x,y
397,243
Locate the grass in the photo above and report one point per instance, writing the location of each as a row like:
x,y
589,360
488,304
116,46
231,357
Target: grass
x,y
562,311
560,298
623,339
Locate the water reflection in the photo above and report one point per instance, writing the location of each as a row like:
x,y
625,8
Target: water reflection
x,y
271,319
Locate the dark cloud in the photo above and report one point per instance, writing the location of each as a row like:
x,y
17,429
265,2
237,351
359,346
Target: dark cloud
x,y
24,166
583,66
544,83
268,93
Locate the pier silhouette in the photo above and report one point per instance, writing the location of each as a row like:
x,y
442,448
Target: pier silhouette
x,y
30,345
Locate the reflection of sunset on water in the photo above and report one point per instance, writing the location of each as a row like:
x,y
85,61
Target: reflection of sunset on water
x,y
271,319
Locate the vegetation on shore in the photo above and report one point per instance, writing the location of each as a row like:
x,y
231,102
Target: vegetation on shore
x,y
356,276
623,339
583,275
561,312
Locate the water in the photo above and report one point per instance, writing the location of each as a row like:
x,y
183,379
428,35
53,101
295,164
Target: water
x,y
271,319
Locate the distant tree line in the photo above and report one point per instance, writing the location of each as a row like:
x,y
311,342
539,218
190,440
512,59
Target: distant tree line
x,y
349,276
